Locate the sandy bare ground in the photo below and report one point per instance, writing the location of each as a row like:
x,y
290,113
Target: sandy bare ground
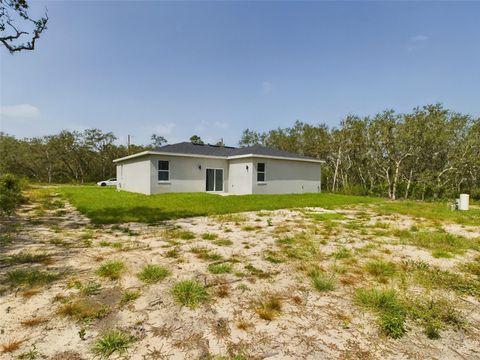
x,y
310,325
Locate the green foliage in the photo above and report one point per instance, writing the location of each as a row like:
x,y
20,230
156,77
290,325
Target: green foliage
x,y
152,274
130,295
10,194
111,342
326,216
189,293
222,268
431,313
380,268
111,269
90,288
442,242
24,257
30,277
342,253
322,282
209,236
392,314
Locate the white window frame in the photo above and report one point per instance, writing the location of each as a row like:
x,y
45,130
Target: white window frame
x,y
167,171
264,172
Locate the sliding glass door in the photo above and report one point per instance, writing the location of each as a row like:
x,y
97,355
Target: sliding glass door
x,y
214,180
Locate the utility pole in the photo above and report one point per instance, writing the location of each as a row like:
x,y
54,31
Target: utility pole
x,y
128,144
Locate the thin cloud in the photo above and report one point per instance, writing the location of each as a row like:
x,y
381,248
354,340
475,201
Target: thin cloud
x,y
221,124
164,129
206,125
266,87
20,111
419,38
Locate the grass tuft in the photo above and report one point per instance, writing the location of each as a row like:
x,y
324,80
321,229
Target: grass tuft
x,y
209,236
152,274
391,312
130,295
111,269
322,282
83,309
31,277
26,258
269,308
11,346
222,268
380,268
189,293
113,341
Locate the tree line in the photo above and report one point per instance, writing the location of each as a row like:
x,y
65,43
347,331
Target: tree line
x,y
430,152
69,156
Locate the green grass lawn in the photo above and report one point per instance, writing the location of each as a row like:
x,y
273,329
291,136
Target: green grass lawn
x,y
106,205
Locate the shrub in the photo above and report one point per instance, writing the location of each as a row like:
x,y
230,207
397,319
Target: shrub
x,y
10,194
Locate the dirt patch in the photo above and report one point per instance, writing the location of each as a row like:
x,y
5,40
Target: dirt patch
x,y
242,262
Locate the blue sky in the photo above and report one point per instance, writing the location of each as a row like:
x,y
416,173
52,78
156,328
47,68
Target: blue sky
x,y
216,68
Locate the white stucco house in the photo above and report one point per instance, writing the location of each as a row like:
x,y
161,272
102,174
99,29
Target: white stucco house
x,y
189,167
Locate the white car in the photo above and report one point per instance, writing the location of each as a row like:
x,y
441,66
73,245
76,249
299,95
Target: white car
x,y
109,182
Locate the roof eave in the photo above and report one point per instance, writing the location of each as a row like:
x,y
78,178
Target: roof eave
x,y
169,154
276,157
150,152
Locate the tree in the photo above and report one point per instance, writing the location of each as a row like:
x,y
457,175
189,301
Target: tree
x,y
220,143
195,139
12,36
250,138
157,140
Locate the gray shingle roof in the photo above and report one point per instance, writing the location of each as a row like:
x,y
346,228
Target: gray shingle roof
x,y
214,150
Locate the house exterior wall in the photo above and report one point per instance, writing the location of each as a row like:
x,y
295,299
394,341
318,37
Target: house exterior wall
x,y
185,175
132,175
282,176
240,179
286,177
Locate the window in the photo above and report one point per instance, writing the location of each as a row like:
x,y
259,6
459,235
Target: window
x,y
163,170
261,172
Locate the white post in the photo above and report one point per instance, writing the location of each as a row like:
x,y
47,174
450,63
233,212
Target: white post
x,y
463,202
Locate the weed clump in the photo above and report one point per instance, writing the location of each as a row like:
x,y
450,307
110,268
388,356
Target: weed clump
x,y
269,308
113,341
189,293
221,268
152,274
321,282
391,311
130,295
31,277
111,269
